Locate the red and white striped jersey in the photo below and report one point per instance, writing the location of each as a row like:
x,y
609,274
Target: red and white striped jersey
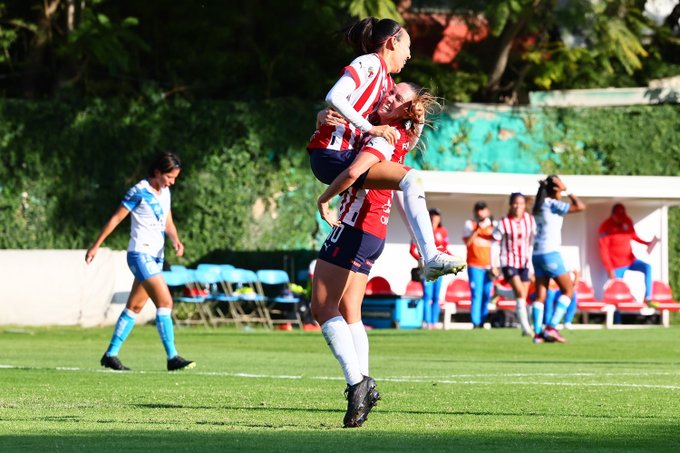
x,y
516,238
369,209
372,83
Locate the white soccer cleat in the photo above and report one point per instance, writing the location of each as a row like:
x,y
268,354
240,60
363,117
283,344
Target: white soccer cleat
x,y
442,264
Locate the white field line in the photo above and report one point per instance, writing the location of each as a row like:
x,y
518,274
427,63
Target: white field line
x,y
407,379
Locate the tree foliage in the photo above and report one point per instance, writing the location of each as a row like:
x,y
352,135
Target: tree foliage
x,y
268,49
538,45
208,49
64,168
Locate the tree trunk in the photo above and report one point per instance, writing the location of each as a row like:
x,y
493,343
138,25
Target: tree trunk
x,y
510,32
36,82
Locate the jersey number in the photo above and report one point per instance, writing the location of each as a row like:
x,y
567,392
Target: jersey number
x,y
335,234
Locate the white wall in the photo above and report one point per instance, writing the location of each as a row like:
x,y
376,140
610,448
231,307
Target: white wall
x,y
56,287
579,239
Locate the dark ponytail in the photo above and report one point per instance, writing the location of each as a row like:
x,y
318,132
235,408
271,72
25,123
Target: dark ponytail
x,y
368,35
546,187
164,162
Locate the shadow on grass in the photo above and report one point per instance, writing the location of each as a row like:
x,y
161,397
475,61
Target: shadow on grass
x,y
328,439
494,414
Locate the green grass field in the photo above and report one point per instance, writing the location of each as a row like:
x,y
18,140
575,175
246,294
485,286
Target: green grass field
x,y
283,391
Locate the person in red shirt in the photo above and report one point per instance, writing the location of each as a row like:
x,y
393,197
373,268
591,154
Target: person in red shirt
x,y
616,252
432,289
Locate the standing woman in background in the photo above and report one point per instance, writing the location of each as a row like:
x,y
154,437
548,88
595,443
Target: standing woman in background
x,y
149,203
516,233
432,289
549,211
478,238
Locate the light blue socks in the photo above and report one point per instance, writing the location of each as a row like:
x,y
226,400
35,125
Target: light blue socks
x,y
560,309
124,325
166,331
537,316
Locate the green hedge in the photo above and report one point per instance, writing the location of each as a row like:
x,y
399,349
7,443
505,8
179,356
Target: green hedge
x,y
245,184
246,187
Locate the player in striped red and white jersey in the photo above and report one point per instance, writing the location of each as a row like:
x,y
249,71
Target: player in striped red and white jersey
x,y
341,275
364,83
357,240
370,170
516,233
383,47
369,209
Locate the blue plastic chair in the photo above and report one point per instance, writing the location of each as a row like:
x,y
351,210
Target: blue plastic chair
x,y
249,306
282,308
189,308
210,275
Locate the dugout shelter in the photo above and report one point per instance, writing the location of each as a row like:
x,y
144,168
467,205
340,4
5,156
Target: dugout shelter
x,y
647,199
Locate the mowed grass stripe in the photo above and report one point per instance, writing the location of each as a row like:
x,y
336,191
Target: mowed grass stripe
x,y
282,391
414,379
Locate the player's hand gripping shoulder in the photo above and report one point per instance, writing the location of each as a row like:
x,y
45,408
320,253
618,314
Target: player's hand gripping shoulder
x,y
387,132
326,213
329,117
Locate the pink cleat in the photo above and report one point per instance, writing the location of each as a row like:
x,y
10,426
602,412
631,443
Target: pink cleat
x,y
550,333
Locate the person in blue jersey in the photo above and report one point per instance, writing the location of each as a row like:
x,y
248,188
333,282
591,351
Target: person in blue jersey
x,y
149,203
549,211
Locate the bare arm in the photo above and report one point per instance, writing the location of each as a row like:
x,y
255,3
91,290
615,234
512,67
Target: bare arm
x,y
108,228
171,231
472,234
329,117
359,166
576,204
469,239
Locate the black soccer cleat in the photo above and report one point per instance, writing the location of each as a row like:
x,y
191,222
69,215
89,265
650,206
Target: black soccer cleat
x,y
373,398
361,398
178,363
113,362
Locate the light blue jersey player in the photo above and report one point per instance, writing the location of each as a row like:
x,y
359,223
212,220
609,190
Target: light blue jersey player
x,y
549,211
149,211
149,203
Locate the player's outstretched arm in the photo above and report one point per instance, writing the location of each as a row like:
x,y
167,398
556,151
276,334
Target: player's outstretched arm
x,y
108,228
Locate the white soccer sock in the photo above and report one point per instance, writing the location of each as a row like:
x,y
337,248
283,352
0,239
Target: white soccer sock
x,y
339,339
418,215
360,345
522,315
399,201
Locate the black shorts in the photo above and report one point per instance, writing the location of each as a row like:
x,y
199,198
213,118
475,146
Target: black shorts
x,y
509,272
327,164
351,249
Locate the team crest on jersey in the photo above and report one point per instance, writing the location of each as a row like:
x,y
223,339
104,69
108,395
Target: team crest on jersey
x,y
371,72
